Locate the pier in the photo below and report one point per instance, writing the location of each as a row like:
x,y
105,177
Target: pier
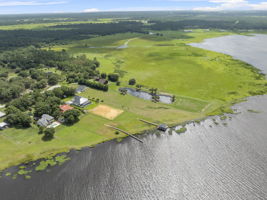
x,y
129,134
147,122
161,127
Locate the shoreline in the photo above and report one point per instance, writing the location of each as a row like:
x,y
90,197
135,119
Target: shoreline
x,y
66,151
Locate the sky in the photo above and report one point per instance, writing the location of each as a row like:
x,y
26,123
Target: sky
x,y
61,6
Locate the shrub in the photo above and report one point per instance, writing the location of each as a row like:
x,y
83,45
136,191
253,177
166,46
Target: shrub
x,y
132,81
113,77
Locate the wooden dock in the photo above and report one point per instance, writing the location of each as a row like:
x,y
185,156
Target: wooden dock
x,y
147,122
161,127
129,134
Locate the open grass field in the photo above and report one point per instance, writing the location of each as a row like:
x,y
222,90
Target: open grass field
x,y
202,82
169,64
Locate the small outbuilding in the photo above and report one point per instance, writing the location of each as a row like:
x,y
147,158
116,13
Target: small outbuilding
x,y
45,120
2,114
65,108
81,89
163,127
103,81
188,31
80,101
3,125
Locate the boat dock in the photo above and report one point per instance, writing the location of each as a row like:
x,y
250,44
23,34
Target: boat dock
x,y
147,122
129,134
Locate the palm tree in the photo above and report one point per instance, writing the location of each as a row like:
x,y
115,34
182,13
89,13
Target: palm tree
x,y
173,98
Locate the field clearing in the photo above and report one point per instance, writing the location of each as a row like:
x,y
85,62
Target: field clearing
x,y
106,112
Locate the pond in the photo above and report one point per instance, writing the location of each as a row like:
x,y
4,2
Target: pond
x,y
147,96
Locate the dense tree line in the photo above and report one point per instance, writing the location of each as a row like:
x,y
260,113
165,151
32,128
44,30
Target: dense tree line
x,y
94,84
207,24
61,34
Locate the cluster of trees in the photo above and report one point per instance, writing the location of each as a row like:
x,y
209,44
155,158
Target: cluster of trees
x,y
48,133
132,81
17,118
71,117
12,88
94,84
113,77
20,111
29,64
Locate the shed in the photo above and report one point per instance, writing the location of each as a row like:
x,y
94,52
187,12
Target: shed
x,y
80,89
163,127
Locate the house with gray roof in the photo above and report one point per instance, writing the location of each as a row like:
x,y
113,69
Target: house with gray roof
x,y
80,89
45,120
80,101
3,125
2,114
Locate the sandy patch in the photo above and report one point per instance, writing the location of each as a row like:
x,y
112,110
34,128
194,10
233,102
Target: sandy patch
x,y
106,112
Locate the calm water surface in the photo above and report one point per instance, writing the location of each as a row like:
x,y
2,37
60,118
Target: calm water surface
x,y
211,162
147,96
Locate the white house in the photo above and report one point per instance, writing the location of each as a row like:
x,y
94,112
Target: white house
x,y
80,101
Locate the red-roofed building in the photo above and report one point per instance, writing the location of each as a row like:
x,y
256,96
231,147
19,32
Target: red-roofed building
x,y
65,108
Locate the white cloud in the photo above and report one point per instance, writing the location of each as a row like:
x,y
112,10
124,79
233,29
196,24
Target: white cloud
x,y
29,3
260,6
91,10
144,9
233,5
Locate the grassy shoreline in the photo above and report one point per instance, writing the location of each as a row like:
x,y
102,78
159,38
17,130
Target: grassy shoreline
x,y
193,75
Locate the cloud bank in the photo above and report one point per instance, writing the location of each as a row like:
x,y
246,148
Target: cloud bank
x,y
233,5
29,3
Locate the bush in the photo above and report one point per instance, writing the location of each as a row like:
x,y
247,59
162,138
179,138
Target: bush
x,y
113,77
132,81
104,75
49,134
181,130
19,119
71,116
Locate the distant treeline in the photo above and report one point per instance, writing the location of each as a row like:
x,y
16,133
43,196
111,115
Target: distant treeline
x,y
122,22
61,34
207,24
